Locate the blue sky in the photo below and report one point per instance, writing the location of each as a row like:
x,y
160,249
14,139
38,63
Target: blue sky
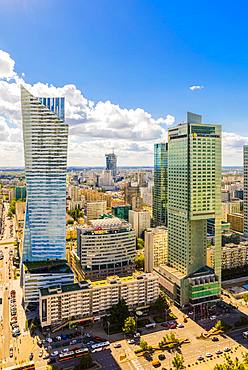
x,y
138,54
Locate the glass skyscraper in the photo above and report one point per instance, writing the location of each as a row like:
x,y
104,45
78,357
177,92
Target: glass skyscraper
x,y
194,176
45,137
111,163
159,206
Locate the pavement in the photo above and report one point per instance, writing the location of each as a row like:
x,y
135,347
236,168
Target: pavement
x,y
24,344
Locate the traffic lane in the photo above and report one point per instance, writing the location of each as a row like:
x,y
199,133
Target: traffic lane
x,y
106,359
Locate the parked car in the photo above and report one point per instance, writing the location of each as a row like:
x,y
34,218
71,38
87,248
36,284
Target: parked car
x,y
31,356
117,345
218,352
161,357
131,341
208,355
215,339
11,352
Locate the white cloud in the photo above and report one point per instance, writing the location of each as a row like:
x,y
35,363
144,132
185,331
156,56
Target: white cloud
x,y
95,127
232,147
7,65
196,87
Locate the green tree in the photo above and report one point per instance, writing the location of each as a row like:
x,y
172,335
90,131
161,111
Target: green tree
x,y
178,362
85,362
129,326
139,243
143,345
118,313
139,261
219,325
245,358
11,210
161,305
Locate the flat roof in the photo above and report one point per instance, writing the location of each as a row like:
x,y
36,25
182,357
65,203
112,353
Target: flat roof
x,y
55,266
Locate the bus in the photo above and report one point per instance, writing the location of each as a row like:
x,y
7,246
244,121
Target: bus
x,y
245,334
151,325
81,352
27,366
66,356
100,345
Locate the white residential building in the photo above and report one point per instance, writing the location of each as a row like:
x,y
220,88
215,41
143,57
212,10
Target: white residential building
x,y
89,299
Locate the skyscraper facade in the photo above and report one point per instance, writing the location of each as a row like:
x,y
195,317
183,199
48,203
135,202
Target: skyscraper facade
x,y
245,194
111,163
159,208
45,137
194,177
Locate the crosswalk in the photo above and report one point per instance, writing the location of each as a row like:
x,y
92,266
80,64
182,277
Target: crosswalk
x,y
137,365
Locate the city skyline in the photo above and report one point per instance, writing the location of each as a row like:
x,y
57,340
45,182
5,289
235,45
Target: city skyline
x,y
126,98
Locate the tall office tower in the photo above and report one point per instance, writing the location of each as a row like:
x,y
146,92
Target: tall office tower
x,y
159,207
194,177
45,137
111,163
245,194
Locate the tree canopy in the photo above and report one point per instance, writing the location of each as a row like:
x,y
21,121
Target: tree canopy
x,y
129,326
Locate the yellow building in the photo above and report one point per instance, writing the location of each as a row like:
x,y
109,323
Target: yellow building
x,y
236,221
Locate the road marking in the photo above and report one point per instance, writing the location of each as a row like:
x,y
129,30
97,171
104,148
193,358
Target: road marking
x,y
137,365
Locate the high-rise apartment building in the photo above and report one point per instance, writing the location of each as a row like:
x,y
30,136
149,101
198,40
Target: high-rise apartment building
x,y
45,137
159,207
111,163
245,193
194,176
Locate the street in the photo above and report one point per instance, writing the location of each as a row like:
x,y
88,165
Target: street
x,y
24,344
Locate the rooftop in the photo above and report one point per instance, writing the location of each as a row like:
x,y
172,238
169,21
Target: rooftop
x,y
86,284
42,267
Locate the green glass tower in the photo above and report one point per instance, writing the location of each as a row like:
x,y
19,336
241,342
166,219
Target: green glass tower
x,y
159,206
194,176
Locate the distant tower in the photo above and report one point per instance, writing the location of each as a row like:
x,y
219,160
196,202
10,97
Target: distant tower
x,y
245,190
111,163
159,207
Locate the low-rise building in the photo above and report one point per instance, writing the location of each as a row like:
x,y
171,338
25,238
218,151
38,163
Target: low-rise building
x,y
121,211
88,299
92,195
42,274
233,256
236,221
95,210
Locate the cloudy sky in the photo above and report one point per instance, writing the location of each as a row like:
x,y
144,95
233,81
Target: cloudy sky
x,y
128,72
